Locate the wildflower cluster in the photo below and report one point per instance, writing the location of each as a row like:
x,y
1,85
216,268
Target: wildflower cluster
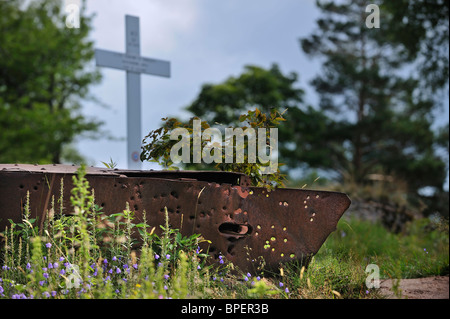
x,y
65,259
78,257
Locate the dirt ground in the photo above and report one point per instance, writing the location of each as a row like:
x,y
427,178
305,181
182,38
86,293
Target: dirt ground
x,y
419,288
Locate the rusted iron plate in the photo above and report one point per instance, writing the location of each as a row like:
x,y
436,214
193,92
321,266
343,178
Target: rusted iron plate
x,y
242,222
219,177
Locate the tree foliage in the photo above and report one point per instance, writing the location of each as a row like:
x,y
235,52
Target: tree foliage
x,y
44,73
302,136
382,121
158,144
255,87
422,27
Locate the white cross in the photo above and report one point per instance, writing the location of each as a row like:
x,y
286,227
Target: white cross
x,y
134,64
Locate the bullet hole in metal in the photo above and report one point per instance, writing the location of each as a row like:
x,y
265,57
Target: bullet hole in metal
x,y
235,229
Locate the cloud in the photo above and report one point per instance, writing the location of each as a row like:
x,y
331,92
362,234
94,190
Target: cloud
x,y
164,23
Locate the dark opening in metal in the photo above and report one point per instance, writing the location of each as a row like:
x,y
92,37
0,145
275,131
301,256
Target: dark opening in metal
x,y
235,229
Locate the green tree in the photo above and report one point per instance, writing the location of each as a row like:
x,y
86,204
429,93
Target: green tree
x,y
381,121
302,136
255,87
422,27
44,75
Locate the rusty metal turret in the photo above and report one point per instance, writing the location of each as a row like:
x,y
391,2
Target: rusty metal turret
x,y
242,222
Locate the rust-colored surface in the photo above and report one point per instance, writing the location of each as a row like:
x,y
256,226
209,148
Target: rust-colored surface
x,y
242,222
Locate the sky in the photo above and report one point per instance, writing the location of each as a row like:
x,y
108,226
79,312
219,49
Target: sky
x,y
206,41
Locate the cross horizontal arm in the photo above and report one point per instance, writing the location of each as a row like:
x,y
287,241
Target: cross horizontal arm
x,y
132,63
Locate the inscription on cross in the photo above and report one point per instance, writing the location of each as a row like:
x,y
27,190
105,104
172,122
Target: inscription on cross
x,y
134,64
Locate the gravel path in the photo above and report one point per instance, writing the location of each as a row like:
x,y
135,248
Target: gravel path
x,y
418,288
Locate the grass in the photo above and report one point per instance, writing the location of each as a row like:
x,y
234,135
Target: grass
x,y
90,255
422,250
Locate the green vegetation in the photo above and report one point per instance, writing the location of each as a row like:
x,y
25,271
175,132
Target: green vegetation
x,y
45,75
90,255
422,250
373,134
158,146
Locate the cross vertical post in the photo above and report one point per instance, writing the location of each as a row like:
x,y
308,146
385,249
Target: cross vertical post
x,y
133,95
134,64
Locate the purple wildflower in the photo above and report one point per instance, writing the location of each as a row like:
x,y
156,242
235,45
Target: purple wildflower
x,y
48,245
